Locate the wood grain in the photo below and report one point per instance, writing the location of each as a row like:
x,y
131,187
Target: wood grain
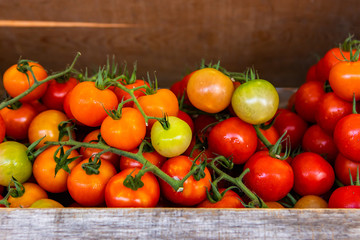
x,y
175,223
279,38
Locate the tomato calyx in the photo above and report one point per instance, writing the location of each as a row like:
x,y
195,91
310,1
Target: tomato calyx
x,y
92,166
63,161
66,128
276,150
17,191
349,43
234,76
357,181
214,195
199,169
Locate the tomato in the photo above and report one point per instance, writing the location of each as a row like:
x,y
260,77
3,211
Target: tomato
x,y
172,141
291,102
88,152
210,90
293,124
307,100
186,117
270,134
274,205
233,138
194,192
122,95
195,149
344,80
270,178
88,103
311,201
179,88
311,74
14,162
33,192
118,195
46,124
255,101
153,157
89,190
345,197
16,82
344,167
347,136
162,102
38,105
203,125
313,175
125,133
46,203
330,110
44,170
56,92
318,141
17,120
229,200
2,129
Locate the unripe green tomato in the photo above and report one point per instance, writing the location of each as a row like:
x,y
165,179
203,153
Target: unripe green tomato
x,y
255,101
173,141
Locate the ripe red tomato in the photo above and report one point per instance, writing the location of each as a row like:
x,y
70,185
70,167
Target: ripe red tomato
x,y
270,134
203,125
229,200
118,195
313,175
233,138
179,88
153,157
345,197
270,178
16,82
2,129
194,192
311,74
122,95
344,167
17,120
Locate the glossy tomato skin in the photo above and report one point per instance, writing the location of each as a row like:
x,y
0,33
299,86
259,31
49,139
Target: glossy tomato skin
x,y
123,96
210,90
153,157
344,167
2,129
16,82
118,195
330,110
33,192
307,100
56,92
125,133
229,200
194,192
233,138
88,103
89,190
270,178
313,175
17,121
344,80
345,197
255,101
311,74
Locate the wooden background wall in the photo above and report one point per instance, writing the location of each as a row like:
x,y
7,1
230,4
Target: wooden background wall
x,y
280,38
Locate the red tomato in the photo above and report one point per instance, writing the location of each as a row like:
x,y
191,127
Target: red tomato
x,y
307,100
195,149
233,138
17,120
311,74
345,197
194,192
203,125
118,195
125,133
56,92
270,178
344,167
313,175
229,200
179,88
318,141
270,134
89,190
122,95
2,129
153,157
88,103
16,82
184,116
330,110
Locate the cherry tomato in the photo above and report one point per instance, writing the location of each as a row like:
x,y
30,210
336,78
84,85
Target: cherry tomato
x,y
274,205
344,167
203,125
122,95
46,203
229,200
118,195
311,74
311,201
17,120
233,138
313,175
255,101
2,129
270,134
210,90
194,192
179,88
33,192
153,157
345,197
16,82
89,190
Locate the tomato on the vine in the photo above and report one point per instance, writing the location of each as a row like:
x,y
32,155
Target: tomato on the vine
x,y
230,200
33,192
153,157
344,167
123,96
345,197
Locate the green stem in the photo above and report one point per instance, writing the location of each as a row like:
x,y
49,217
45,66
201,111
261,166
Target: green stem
x,y
261,136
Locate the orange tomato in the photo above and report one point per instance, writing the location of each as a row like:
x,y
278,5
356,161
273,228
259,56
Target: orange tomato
x,y
33,192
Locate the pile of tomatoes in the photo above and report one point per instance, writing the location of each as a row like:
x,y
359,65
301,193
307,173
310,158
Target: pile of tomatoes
x,y
214,139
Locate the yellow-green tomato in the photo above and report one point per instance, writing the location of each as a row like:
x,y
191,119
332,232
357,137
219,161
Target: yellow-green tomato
x,y
14,162
255,101
172,141
46,203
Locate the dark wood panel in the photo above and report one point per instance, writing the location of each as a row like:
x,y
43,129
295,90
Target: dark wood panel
x,y
279,38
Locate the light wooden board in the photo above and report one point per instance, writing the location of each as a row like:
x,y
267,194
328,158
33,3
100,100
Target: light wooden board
x,y
280,38
176,223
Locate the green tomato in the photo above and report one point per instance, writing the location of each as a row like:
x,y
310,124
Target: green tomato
x,y
173,141
14,162
255,101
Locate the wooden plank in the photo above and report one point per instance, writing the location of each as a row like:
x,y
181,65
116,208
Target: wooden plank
x,y
175,223
280,38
